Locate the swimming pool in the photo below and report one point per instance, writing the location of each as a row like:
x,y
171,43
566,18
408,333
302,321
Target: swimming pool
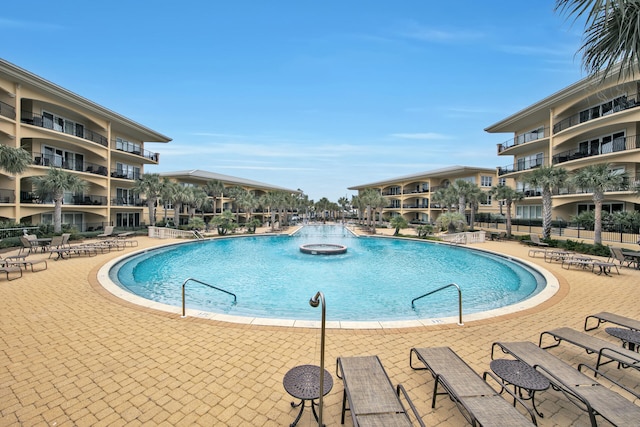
x,y
375,280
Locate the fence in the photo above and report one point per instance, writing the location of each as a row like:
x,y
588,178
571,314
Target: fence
x,y
563,230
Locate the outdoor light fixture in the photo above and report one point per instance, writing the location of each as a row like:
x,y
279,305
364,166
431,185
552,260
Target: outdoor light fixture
x,y
314,302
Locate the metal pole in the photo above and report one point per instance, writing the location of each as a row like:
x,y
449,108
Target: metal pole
x,y
319,299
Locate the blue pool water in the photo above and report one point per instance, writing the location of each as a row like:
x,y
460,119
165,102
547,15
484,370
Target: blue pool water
x,y
375,280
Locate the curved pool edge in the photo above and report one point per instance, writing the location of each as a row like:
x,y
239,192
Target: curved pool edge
x,y
552,287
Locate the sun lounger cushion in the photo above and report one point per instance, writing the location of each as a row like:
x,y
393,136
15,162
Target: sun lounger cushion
x,y
617,319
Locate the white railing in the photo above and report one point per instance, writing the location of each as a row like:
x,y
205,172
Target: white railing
x,y
169,233
464,238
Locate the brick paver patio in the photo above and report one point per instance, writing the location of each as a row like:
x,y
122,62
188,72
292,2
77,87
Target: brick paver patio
x,y
73,355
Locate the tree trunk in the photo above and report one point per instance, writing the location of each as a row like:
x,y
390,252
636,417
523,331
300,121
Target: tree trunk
x,y
546,213
597,213
152,212
508,219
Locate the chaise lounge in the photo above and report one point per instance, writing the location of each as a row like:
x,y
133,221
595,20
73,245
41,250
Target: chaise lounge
x,y
478,402
594,345
371,395
580,389
616,319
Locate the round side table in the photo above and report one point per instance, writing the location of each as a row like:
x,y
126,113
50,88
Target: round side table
x,y
303,382
522,377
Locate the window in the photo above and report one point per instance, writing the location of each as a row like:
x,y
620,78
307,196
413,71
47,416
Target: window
x,y
52,156
529,211
71,218
606,144
486,201
486,181
530,162
606,207
129,147
502,181
61,124
125,197
127,219
126,171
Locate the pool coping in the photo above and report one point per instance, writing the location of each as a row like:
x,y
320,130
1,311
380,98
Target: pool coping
x,y
552,288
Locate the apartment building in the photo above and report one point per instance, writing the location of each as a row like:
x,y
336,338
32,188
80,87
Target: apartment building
x,y
410,195
199,178
589,122
62,129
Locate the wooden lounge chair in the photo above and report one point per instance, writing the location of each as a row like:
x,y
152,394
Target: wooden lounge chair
x,y
581,390
478,402
371,395
616,319
593,345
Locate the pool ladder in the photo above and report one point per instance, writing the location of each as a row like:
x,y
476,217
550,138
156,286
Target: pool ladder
x,y
439,289
190,279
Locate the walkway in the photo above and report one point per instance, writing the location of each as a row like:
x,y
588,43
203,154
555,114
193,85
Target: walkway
x,y
73,355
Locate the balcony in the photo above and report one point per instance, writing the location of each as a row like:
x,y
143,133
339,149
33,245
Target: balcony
x,y
121,174
7,196
628,184
84,133
40,159
130,201
415,191
82,200
416,206
617,145
519,167
595,113
7,110
524,138
129,147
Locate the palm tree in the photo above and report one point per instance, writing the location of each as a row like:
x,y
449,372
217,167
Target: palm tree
x,y
398,222
445,197
215,189
358,203
344,204
14,160
271,201
546,178
474,197
150,185
199,201
372,199
461,189
508,195
55,183
597,179
168,194
612,31
247,201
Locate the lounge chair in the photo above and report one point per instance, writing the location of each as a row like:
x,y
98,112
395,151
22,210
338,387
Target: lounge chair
x,y
23,262
588,263
535,241
108,232
28,245
616,254
371,395
9,269
604,349
616,319
580,389
478,402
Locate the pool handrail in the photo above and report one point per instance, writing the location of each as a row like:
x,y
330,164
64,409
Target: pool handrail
x,y
191,279
439,289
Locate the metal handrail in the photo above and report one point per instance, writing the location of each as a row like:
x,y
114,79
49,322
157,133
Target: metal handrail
x,y
190,279
439,289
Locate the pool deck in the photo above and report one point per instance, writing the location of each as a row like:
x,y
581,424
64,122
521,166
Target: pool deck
x,y
72,354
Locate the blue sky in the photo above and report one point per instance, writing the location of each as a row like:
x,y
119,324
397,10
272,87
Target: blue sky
x,y
313,95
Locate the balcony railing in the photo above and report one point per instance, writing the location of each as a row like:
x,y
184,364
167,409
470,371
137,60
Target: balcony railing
x,y
418,206
415,191
129,147
503,170
7,110
584,116
118,173
628,184
130,201
38,120
84,200
523,139
7,196
40,159
618,144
